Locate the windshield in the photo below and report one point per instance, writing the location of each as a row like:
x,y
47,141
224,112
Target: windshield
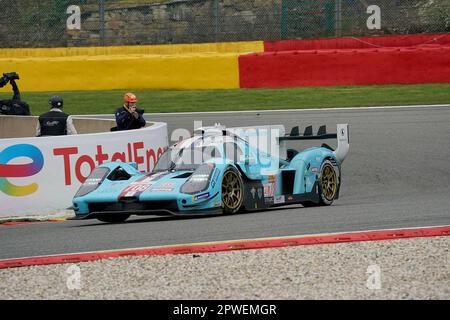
x,y
185,159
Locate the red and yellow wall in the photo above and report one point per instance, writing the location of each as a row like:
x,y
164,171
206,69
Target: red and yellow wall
x,y
344,61
195,66
349,61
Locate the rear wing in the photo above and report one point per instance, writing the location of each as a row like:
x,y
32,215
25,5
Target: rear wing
x,y
308,134
265,132
342,137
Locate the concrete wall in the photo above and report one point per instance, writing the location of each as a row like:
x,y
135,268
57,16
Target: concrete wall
x,y
190,66
23,127
190,71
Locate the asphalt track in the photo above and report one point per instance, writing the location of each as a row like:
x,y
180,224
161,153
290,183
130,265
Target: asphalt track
x,y
397,175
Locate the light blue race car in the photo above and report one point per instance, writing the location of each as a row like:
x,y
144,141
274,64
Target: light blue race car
x,y
218,171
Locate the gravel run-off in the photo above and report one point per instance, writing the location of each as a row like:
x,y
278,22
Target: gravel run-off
x,y
409,269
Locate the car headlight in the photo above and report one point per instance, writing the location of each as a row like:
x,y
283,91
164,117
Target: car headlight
x,y
93,181
199,181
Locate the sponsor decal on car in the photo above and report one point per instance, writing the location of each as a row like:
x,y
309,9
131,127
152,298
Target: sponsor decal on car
x,y
279,200
269,190
92,181
260,193
269,200
162,189
314,170
201,196
253,192
167,184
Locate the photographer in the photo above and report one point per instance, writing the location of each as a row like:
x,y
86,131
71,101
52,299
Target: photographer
x,y
14,106
129,117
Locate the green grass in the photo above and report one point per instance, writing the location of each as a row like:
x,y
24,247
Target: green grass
x,y
153,101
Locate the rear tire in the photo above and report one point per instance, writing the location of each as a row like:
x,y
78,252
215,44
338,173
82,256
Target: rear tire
x,y
328,186
114,218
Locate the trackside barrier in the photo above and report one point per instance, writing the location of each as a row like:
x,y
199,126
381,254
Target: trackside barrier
x,y
25,127
186,66
168,49
346,67
233,245
359,42
40,176
187,71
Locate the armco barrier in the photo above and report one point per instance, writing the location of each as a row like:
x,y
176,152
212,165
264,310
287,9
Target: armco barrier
x,y
41,175
345,67
359,43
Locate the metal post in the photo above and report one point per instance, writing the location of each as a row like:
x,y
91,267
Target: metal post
x,y
102,22
338,18
283,20
216,20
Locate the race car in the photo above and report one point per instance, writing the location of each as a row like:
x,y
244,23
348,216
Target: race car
x,y
219,171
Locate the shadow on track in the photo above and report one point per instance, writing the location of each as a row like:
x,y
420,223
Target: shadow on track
x,y
148,219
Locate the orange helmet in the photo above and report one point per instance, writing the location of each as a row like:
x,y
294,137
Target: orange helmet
x,y
130,98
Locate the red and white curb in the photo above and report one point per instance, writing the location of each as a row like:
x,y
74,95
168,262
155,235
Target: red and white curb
x,y
209,247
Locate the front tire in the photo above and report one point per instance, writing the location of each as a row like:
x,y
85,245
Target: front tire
x,y
114,218
232,191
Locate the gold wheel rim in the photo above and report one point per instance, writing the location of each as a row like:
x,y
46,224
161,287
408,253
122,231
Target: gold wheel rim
x,y
328,182
231,190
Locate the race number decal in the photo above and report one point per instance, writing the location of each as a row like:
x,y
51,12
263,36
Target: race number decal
x,y
137,187
132,190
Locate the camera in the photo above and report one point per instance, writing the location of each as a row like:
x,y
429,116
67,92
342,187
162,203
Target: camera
x,y
8,77
11,76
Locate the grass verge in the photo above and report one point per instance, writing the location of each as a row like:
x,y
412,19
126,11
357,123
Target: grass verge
x,y
156,101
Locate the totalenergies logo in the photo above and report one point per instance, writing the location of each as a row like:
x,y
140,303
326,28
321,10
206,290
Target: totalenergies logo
x,y
19,170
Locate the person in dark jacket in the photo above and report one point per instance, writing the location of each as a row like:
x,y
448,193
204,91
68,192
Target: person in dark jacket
x,y
14,106
55,122
129,117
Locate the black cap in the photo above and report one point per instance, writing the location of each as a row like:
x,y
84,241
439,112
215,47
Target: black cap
x,y
56,102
